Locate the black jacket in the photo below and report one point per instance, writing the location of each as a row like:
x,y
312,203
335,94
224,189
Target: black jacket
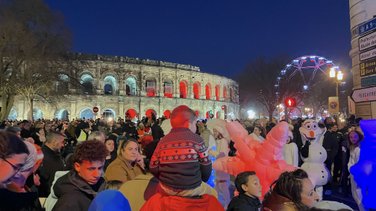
x,y
331,144
52,162
74,193
12,201
243,202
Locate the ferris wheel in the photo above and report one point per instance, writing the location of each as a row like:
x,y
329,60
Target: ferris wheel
x,y
303,72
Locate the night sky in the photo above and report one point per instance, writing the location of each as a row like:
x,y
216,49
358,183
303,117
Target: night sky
x,y
219,36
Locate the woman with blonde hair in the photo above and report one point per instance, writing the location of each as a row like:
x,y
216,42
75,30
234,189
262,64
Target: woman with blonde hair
x,y
128,164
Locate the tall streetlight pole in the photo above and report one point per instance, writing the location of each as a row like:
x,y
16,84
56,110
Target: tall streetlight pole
x,y
338,76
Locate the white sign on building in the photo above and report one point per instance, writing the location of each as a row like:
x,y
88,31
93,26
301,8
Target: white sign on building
x,y
367,55
367,41
364,95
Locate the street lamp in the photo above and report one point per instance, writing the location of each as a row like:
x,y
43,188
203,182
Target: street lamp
x,y
338,75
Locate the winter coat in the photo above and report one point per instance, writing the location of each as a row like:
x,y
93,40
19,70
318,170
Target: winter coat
x,y
161,202
52,199
146,186
331,144
52,162
13,201
243,202
121,170
74,193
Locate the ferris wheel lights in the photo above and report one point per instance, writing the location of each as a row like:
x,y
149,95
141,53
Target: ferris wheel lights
x,y
295,61
321,58
312,57
303,57
288,65
305,87
329,62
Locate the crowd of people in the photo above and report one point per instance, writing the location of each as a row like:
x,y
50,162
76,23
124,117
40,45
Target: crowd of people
x,y
126,165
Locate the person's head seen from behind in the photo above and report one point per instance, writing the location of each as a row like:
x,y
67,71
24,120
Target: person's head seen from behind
x,y
183,117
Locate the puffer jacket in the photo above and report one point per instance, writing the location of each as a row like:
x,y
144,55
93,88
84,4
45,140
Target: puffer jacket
x,y
74,193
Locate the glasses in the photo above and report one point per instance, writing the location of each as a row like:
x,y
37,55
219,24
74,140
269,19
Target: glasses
x,y
15,168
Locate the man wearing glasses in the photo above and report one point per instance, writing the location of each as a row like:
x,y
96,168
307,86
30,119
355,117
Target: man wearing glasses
x,y
13,154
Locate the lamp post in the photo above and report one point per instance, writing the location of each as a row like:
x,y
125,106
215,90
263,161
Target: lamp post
x,y
338,75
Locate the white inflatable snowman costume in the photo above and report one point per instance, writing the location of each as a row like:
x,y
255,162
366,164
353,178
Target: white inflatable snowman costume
x,y
316,156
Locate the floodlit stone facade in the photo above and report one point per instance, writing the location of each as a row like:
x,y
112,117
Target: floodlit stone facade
x,y
120,85
362,23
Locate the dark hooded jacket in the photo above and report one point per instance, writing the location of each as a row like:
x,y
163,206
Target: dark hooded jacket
x,y
242,202
74,193
12,201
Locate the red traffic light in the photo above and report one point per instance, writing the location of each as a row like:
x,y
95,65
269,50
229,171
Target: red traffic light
x,y
290,102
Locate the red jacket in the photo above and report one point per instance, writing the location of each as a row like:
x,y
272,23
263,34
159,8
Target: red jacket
x,y
161,202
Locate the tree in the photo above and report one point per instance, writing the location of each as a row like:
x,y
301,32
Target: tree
x,y
34,46
257,83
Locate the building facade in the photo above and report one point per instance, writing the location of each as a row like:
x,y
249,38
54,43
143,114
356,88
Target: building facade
x,y
363,55
112,87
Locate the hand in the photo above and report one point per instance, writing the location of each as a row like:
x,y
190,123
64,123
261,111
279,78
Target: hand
x,y
30,140
36,180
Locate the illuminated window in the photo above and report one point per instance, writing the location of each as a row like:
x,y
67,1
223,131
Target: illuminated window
x,y
217,92
167,89
196,90
208,91
183,89
150,88
130,86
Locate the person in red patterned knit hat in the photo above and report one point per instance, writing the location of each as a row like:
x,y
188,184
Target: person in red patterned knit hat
x,y
180,160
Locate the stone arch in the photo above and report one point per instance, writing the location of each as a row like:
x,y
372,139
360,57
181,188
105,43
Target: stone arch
x,y
167,114
37,114
231,94
209,114
131,113
62,114
109,114
168,88
149,112
87,113
110,85
183,89
217,92
62,84
87,82
151,87
224,92
131,86
12,114
208,91
196,90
